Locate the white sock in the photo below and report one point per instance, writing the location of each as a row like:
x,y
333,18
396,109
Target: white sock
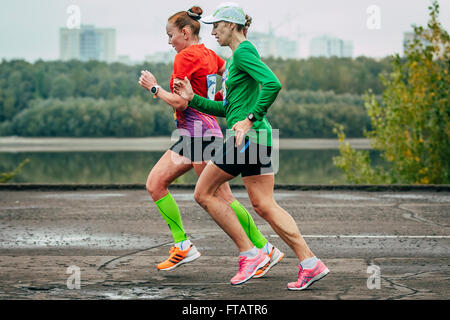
x,y
267,248
253,252
309,263
183,245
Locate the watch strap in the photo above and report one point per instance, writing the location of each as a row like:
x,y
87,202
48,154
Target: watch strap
x,y
157,89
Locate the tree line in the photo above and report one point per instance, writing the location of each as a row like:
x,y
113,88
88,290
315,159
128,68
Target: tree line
x,y
74,98
138,117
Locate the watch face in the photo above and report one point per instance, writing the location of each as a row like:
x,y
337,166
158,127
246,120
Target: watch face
x,y
153,90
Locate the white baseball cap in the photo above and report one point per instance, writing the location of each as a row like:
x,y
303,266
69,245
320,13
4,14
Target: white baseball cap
x,y
227,11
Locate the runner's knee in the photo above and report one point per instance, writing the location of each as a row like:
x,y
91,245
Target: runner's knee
x,y
199,196
264,208
202,197
224,192
156,187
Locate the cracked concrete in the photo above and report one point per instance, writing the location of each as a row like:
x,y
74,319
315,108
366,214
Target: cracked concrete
x,y
116,238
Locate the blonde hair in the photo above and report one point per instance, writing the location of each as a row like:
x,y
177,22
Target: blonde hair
x,y
245,27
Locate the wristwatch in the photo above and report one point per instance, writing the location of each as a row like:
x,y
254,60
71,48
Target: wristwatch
x,y
251,117
154,90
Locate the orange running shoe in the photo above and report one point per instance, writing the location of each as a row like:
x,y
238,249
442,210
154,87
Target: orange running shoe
x,y
178,257
275,256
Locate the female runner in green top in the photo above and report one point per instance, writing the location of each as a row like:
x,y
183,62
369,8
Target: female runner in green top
x,y
247,151
193,59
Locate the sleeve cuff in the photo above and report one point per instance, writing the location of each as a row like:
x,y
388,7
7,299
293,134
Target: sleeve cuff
x,y
258,116
194,101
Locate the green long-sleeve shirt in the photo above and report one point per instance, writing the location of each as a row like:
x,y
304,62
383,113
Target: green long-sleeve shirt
x,y
241,81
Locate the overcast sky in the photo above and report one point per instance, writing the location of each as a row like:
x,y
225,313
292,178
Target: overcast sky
x,y
29,28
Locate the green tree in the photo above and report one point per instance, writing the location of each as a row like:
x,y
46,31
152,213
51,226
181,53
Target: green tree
x,y
62,87
411,125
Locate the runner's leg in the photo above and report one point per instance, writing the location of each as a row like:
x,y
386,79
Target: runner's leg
x,y
205,194
244,217
260,191
167,169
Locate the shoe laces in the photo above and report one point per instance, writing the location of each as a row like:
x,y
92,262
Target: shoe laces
x,y
242,262
300,270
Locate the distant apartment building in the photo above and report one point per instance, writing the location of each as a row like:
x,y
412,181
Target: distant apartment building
x,y
69,44
269,45
161,56
347,50
125,59
87,43
328,46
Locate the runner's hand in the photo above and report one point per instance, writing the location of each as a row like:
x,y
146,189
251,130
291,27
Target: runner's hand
x,y
241,128
147,80
183,88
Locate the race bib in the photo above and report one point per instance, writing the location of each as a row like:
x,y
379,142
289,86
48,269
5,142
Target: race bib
x,y
211,83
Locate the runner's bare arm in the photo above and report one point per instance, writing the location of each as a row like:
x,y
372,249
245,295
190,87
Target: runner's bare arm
x,y
184,89
148,80
172,99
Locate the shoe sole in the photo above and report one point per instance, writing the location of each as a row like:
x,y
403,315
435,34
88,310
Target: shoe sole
x,y
262,264
273,263
314,279
185,260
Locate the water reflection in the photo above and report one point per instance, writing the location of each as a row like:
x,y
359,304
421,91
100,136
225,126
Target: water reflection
x,y
295,167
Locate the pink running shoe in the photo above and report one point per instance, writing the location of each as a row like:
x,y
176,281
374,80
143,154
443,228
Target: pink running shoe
x,y
249,266
307,277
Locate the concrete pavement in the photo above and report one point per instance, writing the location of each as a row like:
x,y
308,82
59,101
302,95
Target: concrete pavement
x,y
115,238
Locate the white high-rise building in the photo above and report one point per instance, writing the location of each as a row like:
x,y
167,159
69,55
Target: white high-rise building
x,y
87,43
108,44
69,44
347,50
161,56
328,46
125,59
269,45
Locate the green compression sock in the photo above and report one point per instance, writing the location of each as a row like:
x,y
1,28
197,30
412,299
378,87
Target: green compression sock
x,y
248,224
170,212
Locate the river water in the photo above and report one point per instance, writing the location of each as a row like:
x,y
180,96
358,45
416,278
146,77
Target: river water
x,y
293,166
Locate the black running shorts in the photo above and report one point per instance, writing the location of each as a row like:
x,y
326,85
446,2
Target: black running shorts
x,y
248,159
197,149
